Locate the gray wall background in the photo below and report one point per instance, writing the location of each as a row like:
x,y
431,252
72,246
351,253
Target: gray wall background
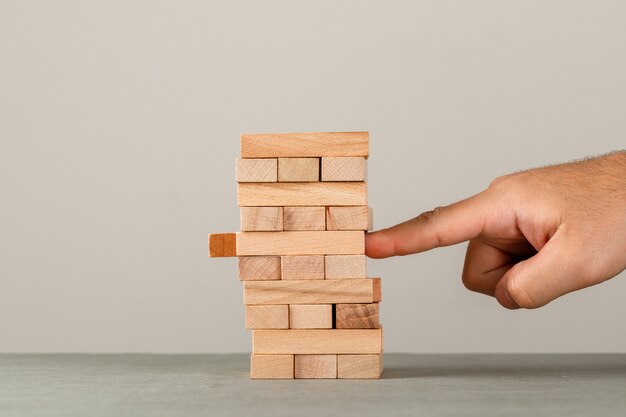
x,y
120,123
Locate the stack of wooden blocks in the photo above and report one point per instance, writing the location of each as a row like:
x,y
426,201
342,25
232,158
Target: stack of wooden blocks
x,y
311,307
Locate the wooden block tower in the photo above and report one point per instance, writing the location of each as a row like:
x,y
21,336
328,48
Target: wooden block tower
x,y
311,307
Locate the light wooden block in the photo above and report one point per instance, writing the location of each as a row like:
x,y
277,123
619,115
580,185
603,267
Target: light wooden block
x,y
357,316
306,144
298,169
259,268
257,170
301,243
310,316
267,317
322,291
343,169
261,219
345,266
359,366
302,194
302,267
315,366
271,366
305,218
317,341
349,218
223,245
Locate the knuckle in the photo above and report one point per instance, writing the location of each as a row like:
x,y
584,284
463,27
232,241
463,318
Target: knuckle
x,y
499,181
431,215
469,281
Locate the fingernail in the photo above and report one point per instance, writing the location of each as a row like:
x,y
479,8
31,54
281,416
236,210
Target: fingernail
x,y
503,297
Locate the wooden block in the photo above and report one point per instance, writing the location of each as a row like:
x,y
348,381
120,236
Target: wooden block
x,y
308,144
356,316
310,316
349,218
343,169
321,291
223,245
302,194
257,170
317,341
259,268
298,169
315,366
267,317
305,218
345,266
271,366
360,366
301,243
261,219
302,267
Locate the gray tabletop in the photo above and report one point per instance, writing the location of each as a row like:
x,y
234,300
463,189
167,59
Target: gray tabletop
x,y
218,385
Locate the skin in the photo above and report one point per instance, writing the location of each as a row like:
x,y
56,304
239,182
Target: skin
x,y
533,236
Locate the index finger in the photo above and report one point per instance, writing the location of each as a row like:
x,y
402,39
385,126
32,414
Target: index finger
x,y
442,226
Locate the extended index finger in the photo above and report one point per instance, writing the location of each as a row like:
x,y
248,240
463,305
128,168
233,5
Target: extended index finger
x,y
442,226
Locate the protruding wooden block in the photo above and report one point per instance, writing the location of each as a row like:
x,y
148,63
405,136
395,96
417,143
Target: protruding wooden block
x,y
305,218
302,194
357,316
298,169
317,341
257,170
315,366
261,219
223,245
343,169
310,316
301,243
267,317
349,218
309,144
259,268
321,291
345,266
360,366
302,267
271,366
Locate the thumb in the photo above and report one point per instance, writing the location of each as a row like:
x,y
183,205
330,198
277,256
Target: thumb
x,y
554,271
442,226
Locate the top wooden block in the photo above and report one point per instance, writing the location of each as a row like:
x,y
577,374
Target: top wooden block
x,y
294,145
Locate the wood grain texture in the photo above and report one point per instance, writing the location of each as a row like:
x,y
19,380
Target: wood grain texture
x,y
310,316
303,267
301,243
261,219
357,316
359,366
304,144
323,291
349,218
222,245
257,170
315,366
298,169
304,218
302,194
345,266
259,268
271,366
344,169
267,317
317,341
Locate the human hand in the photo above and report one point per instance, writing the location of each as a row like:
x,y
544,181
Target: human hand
x,y
533,236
